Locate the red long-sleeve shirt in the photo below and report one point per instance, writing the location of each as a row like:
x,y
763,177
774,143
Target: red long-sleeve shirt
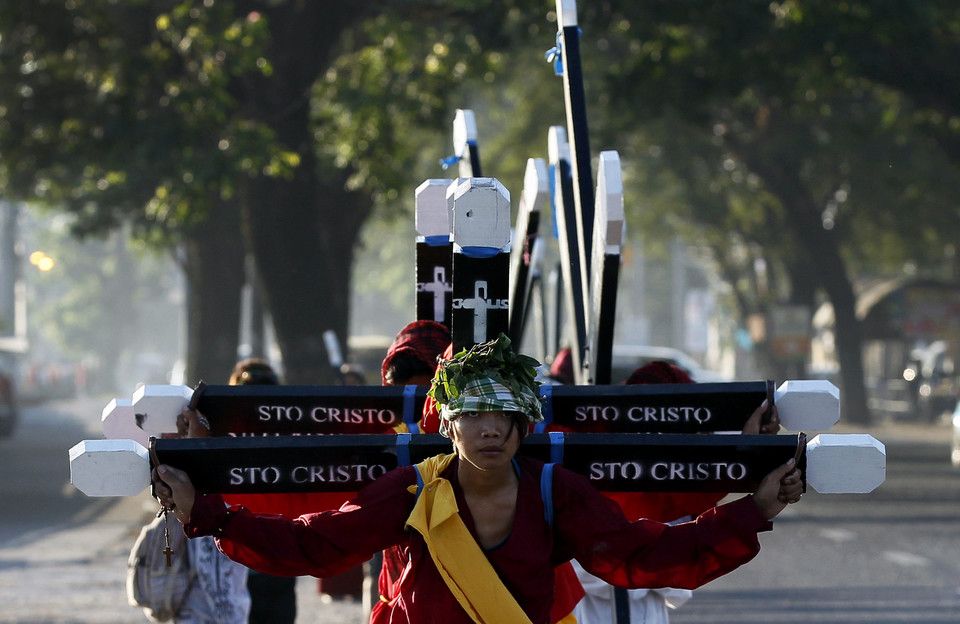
x,y
586,526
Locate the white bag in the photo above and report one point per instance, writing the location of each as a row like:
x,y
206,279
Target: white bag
x,y
151,584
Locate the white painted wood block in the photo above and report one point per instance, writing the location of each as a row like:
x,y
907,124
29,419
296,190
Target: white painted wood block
x,y
536,185
451,192
808,404
432,216
464,130
157,406
464,133
109,467
845,463
558,148
481,214
608,214
120,422
566,13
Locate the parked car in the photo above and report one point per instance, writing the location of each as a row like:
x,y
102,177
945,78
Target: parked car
x,y
8,405
628,358
938,381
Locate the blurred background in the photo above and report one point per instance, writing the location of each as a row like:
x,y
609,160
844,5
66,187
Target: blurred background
x,y
186,183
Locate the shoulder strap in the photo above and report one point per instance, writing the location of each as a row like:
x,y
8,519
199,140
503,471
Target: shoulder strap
x,y
546,492
419,481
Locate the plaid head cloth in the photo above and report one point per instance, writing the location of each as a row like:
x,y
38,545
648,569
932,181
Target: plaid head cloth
x,y
483,394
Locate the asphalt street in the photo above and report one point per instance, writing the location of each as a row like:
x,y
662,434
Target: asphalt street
x,y
892,556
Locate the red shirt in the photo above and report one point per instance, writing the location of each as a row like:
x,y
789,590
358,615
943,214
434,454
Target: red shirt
x,y
587,526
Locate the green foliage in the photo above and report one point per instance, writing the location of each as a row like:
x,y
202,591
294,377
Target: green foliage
x,y
717,87
142,112
125,109
494,359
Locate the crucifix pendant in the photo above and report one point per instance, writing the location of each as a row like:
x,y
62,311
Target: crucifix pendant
x,y
167,551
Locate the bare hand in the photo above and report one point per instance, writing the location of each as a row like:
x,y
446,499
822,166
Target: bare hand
x,y
755,424
175,491
778,489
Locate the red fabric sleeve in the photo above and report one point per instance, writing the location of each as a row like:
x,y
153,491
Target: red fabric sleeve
x,y
320,544
289,506
664,506
593,529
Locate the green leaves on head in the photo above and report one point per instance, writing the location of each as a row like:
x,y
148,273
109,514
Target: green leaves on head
x,y
495,359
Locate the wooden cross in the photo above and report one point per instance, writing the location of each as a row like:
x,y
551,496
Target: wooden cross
x,y
434,217
434,248
248,454
527,245
465,145
571,260
568,42
481,261
240,411
832,463
608,235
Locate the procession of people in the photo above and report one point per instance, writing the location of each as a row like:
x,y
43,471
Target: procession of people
x,y
481,533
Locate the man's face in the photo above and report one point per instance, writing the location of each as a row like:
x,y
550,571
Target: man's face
x,y
485,440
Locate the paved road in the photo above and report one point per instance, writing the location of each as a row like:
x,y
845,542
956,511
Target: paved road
x,y
890,557
63,556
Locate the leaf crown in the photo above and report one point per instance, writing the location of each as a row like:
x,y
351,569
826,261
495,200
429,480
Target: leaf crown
x,y
494,359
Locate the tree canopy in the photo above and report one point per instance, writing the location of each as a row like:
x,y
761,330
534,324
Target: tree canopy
x,y
820,138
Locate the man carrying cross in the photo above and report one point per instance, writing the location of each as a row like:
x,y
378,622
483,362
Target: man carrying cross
x,y
488,527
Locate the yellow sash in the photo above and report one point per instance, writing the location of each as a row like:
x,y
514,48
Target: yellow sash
x,y
459,559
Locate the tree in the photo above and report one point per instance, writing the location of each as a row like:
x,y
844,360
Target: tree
x,y
775,107
285,116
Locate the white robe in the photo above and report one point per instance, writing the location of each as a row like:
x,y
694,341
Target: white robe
x,y
219,592
647,606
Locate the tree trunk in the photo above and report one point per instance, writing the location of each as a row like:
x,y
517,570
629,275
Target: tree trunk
x,y
302,235
822,251
215,276
302,231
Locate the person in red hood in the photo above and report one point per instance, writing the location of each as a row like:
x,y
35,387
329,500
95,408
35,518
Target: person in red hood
x,y
412,356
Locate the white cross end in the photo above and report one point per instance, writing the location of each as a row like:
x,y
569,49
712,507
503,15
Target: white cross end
x,y
481,214
558,148
160,406
119,421
845,463
536,185
431,216
566,13
608,214
109,467
808,404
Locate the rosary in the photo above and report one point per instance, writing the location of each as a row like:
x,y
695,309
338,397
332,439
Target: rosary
x,y
167,551
164,510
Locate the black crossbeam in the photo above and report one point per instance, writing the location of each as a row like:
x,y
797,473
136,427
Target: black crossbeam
x,y
304,410
346,463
